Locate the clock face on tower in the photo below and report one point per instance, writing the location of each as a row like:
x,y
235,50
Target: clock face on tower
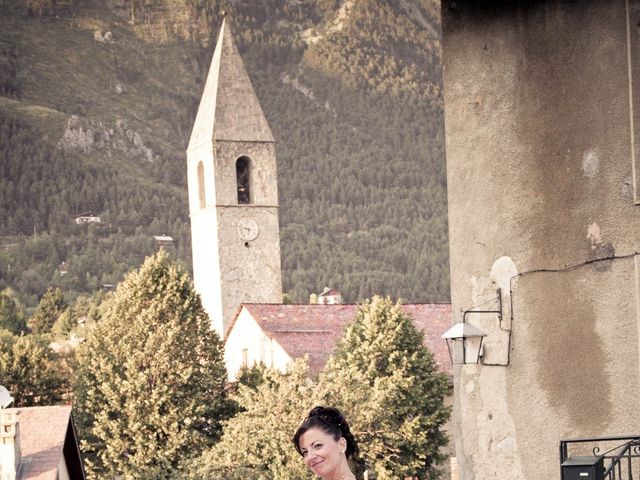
x,y
247,230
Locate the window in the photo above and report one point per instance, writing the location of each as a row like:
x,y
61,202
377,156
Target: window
x,y
243,165
201,192
245,357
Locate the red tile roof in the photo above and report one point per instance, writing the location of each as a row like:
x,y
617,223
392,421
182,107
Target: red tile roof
x,y
42,433
433,319
315,329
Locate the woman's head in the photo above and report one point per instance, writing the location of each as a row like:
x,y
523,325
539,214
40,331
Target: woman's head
x,y
330,421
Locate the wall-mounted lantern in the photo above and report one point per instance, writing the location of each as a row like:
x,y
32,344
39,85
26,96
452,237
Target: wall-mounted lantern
x,y
464,342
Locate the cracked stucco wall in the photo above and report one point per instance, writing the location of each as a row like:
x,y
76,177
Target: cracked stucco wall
x,y
540,190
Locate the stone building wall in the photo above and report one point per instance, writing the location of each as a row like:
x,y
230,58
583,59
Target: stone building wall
x,y
540,165
230,268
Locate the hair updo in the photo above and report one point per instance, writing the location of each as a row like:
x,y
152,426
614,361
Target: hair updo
x,y
330,421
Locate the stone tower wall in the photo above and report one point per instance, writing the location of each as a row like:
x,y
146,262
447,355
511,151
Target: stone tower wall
x,y
236,247
250,271
204,227
263,181
229,270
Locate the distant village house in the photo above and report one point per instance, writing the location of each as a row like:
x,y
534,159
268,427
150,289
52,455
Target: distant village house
x,y
88,217
63,268
164,241
330,296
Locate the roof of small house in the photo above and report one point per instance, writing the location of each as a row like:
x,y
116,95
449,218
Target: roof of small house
x,y
46,434
163,238
329,291
314,330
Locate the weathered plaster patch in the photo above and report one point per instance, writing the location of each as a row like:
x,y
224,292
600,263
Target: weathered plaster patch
x,y
470,386
599,250
488,437
479,288
507,444
591,162
502,271
593,235
496,438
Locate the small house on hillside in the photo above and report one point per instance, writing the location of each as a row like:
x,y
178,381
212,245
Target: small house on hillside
x,y
164,241
330,296
87,217
276,335
63,268
39,443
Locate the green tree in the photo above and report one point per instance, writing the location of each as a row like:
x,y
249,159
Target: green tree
x,y
252,376
30,370
257,441
89,309
387,384
11,316
66,323
151,378
51,306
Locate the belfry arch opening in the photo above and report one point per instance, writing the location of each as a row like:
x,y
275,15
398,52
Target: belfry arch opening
x,y
243,175
202,196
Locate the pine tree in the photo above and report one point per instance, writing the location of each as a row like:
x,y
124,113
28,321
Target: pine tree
x,y
151,380
11,317
257,442
66,323
390,390
51,306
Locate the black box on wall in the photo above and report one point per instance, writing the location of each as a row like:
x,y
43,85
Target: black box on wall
x,y
583,468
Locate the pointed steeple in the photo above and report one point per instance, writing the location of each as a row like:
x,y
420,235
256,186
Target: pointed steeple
x,y
229,108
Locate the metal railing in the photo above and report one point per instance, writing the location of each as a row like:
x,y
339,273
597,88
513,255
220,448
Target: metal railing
x,y
621,455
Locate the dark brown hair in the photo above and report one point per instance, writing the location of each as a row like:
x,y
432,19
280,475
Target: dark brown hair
x,y
330,421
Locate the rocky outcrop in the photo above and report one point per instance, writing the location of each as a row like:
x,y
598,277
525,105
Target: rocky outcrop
x,y
297,85
100,38
89,136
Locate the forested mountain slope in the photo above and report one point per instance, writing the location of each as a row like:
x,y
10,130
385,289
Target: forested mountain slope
x,y
98,100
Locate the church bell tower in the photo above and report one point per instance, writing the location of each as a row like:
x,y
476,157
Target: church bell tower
x,y
233,192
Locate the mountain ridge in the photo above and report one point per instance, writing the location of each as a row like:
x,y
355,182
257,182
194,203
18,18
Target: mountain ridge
x,y
358,127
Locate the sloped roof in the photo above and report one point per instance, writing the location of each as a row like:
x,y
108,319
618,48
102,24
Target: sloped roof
x,y
329,291
163,238
43,432
315,329
229,108
302,330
